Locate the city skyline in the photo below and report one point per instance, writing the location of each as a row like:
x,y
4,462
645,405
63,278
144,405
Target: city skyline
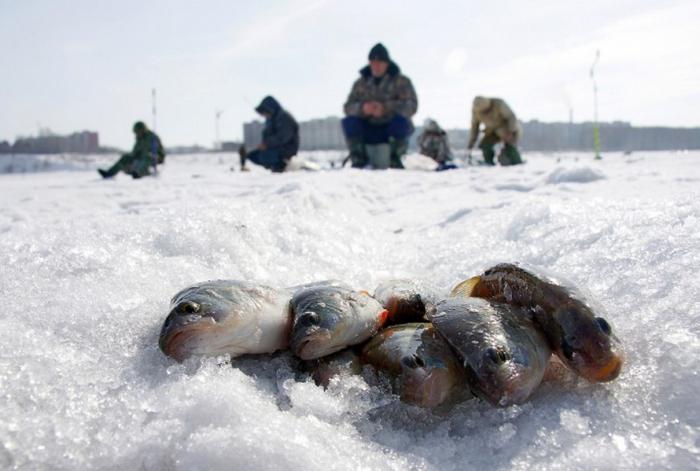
x,y
79,65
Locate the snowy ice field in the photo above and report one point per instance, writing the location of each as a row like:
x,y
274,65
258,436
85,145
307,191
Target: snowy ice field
x,y
87,268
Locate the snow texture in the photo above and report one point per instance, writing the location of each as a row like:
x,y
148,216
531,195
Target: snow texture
x,y
87,268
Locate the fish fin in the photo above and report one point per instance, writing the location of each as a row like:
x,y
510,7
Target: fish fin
x,y
465,288
382,317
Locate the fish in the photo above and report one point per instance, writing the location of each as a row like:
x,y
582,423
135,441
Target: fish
x,y
505,355
405,300
573,323
323,370
226,317
329,317
423,369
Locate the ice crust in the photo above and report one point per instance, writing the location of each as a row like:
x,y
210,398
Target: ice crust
x,y
87,269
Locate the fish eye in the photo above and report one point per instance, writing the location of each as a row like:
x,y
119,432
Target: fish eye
x,y
309,317
188,307
413,361
567,350
604,326
497,356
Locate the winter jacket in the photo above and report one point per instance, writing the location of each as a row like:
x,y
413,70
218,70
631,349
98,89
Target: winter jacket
x,y
281,130
146,145
394,90
498,119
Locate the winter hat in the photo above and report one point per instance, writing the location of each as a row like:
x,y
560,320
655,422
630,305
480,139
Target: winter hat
x,y
139,126
379,53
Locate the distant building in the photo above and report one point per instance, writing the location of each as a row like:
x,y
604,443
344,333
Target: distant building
x,y
615,136
252,133
193,149
318,134
230,146
85,142
327,134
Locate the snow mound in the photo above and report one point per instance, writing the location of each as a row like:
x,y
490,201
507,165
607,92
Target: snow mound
x,y
574,175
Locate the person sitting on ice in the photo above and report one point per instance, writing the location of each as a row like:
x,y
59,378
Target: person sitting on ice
x,y
500,124
147,151
280,138
434,144
378,113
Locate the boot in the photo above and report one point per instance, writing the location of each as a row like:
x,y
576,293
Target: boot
x,y
357,155
398,149
116,168
489,154
509,155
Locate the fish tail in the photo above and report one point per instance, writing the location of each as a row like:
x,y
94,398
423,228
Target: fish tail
x,y
465,288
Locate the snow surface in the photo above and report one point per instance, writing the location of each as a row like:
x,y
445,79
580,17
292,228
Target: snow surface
x,y
87,268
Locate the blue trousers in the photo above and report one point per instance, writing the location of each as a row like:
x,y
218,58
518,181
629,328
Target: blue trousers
x,y
268,158
369,133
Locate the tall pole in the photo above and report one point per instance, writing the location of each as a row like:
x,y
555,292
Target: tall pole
x,y
217,144
596,127
153,107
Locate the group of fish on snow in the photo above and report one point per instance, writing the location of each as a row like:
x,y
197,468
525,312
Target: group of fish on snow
x,y
493,335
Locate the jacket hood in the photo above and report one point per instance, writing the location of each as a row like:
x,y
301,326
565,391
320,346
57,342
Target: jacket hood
x,y
393,70
431,125
269,105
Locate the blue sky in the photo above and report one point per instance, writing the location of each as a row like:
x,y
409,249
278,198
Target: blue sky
x,y
73,65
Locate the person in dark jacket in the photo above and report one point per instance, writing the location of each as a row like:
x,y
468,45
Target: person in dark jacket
x,y
280,137
379,109
148,151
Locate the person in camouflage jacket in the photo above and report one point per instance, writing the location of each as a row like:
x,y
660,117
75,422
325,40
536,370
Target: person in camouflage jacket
x,y
148,151
379,109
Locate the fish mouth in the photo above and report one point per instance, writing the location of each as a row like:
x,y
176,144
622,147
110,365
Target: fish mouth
x,y
427,389
597,369
314,345
182,343
608,372
505,388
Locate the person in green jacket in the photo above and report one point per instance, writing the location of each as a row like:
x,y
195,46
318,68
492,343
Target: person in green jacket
x,y
147,151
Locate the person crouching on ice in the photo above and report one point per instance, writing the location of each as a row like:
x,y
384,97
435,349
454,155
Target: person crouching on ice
x,y
434,144
500,124
280,138
148,151
378,113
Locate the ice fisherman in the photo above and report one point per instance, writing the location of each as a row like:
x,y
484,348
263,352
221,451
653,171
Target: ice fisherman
x,y
500,125
433,143
378,113
148,151
280,138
